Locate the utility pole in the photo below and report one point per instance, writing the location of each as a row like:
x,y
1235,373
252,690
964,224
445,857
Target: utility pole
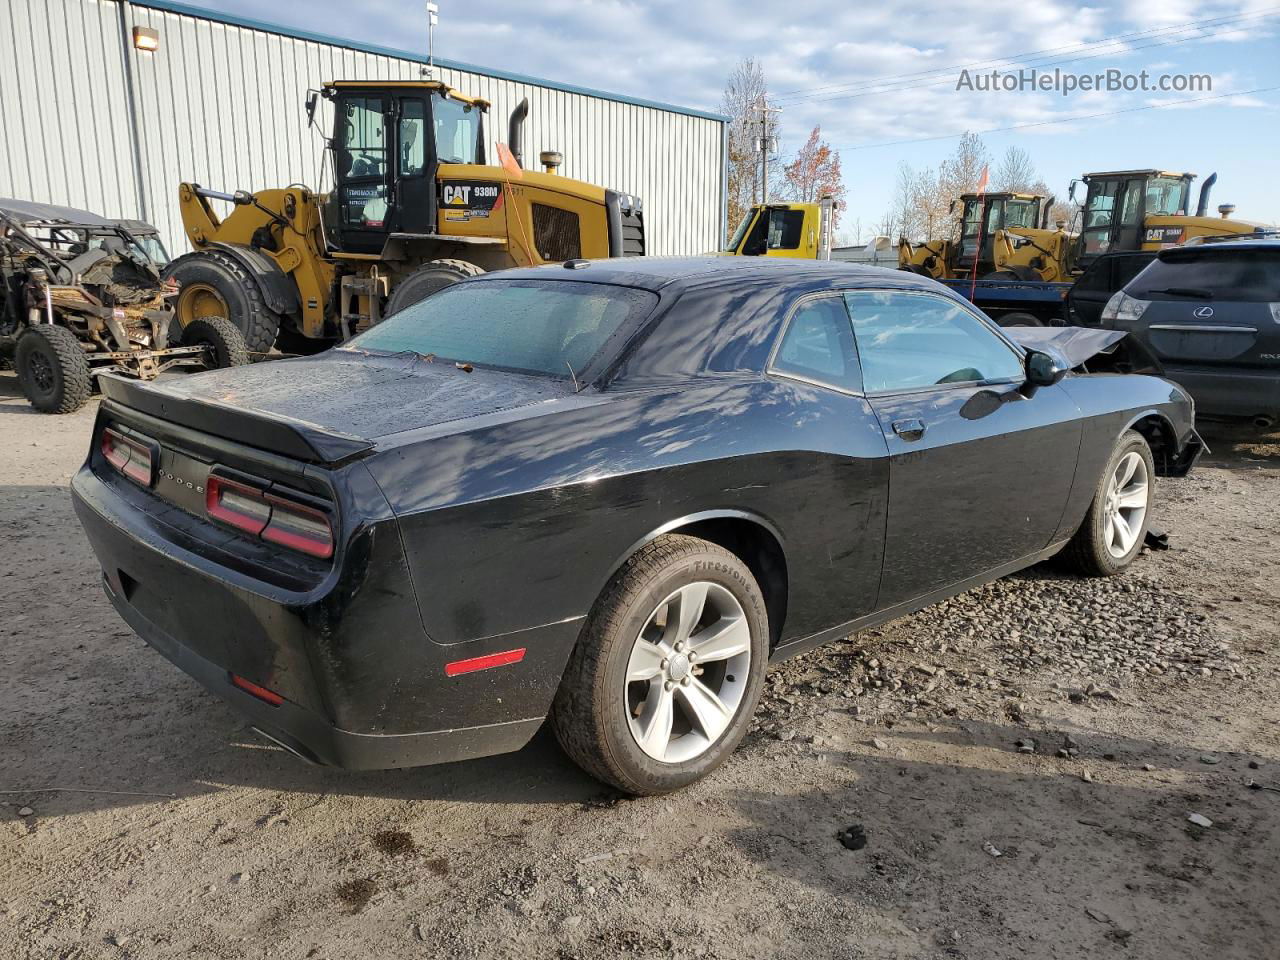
x,y
766,142
433,18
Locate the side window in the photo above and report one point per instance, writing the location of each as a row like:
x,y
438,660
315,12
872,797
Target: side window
x,y
818,345
413,124
907,340
785,229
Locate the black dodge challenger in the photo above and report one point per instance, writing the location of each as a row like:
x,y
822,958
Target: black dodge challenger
x,y
607,493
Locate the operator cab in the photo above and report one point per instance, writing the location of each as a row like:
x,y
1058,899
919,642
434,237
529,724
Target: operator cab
x,y
984,214
388,140
1118,204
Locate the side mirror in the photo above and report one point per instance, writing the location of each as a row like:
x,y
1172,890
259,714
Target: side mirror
x,y
313,98
1071,192
1045,368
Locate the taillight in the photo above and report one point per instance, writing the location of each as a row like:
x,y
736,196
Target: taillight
x,y
131,457
272,516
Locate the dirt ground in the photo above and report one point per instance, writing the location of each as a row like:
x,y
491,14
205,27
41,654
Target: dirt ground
x,y
176,832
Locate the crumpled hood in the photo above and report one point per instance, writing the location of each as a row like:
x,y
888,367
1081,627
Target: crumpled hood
x,y
364,395
1075,344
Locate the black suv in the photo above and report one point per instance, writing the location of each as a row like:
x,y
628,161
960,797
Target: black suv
x,y
1210,314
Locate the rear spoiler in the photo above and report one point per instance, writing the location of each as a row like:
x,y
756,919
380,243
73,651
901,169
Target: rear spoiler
x,y
281,435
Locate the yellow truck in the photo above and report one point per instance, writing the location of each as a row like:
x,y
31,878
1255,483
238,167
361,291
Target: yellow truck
x,y
800,231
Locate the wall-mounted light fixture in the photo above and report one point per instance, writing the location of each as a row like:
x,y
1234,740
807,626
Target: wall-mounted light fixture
x,y
146,39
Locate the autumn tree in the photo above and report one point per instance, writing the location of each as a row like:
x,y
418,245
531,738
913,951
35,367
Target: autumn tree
x,y
1016,173
960,172
814,173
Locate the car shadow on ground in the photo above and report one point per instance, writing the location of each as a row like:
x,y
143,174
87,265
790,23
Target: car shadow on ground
x,y
1239,446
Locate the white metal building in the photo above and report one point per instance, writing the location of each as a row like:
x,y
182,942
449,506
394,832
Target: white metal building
x,y
89,120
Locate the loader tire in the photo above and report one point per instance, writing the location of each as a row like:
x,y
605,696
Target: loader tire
x,y
212,284
428,279
222,337
53,371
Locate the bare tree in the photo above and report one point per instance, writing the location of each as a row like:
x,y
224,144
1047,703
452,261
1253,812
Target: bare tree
x,y
960,172
743,94
1016,173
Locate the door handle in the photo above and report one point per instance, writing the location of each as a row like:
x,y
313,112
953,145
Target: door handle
x,y
911,429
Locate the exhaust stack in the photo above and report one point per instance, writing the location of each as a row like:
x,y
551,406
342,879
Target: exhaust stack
x,y
1203,206
514,130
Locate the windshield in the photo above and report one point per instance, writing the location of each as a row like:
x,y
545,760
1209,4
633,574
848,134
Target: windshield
x,y
1167,196
530,326
1247,276
741,232
457,130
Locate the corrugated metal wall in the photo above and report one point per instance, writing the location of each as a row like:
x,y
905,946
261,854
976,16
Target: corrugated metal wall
x,y
222,105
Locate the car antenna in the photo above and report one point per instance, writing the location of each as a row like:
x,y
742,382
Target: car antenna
x,y
576,388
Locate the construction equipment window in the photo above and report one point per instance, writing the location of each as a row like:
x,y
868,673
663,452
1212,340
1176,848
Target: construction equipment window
x,y
1166,196
457,127
362,151
1021,214
413,138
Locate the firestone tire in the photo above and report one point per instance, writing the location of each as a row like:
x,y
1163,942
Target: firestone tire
x,y
600,706
1095,550
428,279
213,284
53,371
222,336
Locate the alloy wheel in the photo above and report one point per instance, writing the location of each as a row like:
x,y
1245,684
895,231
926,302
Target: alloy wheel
x,y
1127,498
687,673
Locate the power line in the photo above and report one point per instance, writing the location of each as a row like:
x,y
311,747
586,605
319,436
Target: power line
x,y
904,81
1045,123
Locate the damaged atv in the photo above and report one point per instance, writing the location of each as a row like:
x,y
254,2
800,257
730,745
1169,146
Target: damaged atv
x,y
80,297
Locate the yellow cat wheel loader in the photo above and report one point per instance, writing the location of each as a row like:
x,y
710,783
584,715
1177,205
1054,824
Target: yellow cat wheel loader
x,y
415,206
1126,210
982,221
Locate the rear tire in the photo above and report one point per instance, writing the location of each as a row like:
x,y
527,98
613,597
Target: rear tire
x,y
686,713
1112,534
213,284
222,336
53,371
428,279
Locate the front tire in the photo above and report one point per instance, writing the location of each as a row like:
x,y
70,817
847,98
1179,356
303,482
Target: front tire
x,y
1019,318
428,279
223,337
53,371
1115,527
668,670
213,284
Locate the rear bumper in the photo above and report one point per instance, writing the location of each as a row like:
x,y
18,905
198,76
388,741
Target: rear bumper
x,y
308,735
363,686
1230,392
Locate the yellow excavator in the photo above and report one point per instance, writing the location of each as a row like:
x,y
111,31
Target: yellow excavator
x,y
415,206
800,231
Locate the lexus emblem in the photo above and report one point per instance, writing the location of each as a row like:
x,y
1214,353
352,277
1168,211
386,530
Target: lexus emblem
x,y
1203,313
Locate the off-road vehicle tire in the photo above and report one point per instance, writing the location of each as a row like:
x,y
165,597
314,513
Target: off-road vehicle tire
x,y
1019,318
53,371
212,272
428,279
1094,550
222,335
600,706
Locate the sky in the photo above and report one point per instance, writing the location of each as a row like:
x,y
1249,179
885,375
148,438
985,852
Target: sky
x,y
881,78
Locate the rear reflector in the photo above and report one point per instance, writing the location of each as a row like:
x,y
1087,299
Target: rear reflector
x,y
262,693
483,663
131,457
275,518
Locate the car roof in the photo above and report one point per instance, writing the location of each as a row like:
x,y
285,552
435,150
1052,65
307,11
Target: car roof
x,y
28,211
1225,247
656,273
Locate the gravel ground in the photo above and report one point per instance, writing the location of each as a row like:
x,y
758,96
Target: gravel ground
x,y
1010,775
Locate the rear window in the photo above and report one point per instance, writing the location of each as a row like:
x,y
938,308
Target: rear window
x,y
530,326
1251,276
